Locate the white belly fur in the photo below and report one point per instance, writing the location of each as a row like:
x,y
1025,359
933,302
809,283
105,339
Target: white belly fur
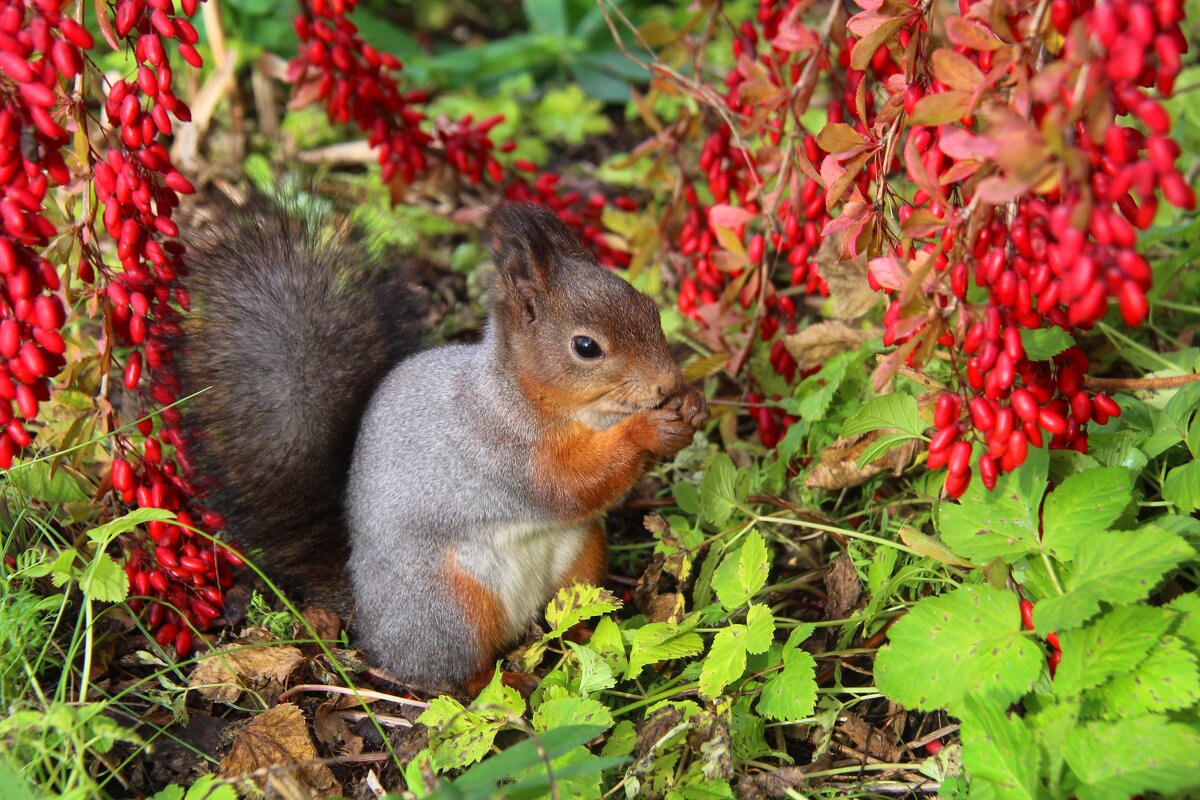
x,y
523,565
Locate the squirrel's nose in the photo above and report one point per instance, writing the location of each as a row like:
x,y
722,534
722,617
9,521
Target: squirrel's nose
x,y
666,386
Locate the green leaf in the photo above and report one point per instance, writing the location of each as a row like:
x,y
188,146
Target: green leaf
x,y
1182,487
521,756
880,446
1084,504
760,626
790,694
1116,760
558,712
1002,523
606,642
546,16
104,581
999,751
661,641
1188,606
621,741
722,489
37,480
595,674
895,410
725,662
461,736
1042,344
570,116
1181,407
575,603
965,642
1167,680
103,534
1113,566
742,573
1114,643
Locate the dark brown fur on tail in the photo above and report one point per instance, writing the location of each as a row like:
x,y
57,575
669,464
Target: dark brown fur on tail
x,y
293,324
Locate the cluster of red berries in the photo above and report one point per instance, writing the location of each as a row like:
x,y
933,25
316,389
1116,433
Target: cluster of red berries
x,y
180,576
39,49
358,84
1068,251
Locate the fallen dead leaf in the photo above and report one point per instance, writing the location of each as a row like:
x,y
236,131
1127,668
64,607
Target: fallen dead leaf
x,y
818,343
279,737
251,662
838,467
333,731
868,739
659,592
324,622
843,587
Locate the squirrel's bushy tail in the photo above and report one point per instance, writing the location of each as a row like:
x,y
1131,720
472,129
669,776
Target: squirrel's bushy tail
x,y
293,323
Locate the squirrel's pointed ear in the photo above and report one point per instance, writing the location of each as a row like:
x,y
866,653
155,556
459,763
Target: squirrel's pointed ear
x,y
528,245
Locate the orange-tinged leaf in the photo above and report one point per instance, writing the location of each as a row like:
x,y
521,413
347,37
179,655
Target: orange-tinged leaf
x,y
726,216
865,47
850,171
971,34
938,109
956,70
838,137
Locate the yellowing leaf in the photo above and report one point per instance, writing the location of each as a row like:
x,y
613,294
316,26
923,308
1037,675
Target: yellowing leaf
x,y
938,109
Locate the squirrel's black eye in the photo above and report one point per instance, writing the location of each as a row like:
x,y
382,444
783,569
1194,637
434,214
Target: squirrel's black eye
x,y
586,347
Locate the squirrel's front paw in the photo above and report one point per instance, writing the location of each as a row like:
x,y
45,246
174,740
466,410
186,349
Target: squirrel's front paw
x,y
677,419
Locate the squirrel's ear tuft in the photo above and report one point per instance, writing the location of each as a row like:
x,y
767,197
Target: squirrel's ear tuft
x,y
528,246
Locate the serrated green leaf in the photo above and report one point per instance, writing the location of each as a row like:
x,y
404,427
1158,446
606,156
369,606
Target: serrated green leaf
x,y
104,581
1085,503
742,573
895,410
661,641
551,744
1116,760
460,736
725,662
1188,608
965,642
621,741
1042,344
760,626
889,441
1181,407
103,534
575,603
790,694
1167,680
606,642
722,489
1050,725
997,750
1002,523
1182,486
595,674
37,480
1113,566
1114,643
559,711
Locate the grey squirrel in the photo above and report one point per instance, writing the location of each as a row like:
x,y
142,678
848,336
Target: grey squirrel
x,y
441,495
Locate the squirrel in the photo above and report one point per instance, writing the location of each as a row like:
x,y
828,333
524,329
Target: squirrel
x,y
441,495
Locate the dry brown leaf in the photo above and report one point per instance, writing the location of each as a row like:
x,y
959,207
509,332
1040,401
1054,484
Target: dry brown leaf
x,y
818,343
849,293
250,663
279,737
843,587
325,623
867,738
838,467
659,592
334,732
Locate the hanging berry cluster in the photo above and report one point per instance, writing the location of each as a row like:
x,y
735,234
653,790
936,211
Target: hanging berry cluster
x,y
358,84
39,50
986,182
1027,218
177,578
